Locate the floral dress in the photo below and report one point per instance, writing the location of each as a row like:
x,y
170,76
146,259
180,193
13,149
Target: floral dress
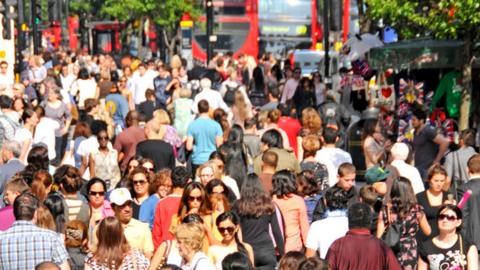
x,y
134,260
407,255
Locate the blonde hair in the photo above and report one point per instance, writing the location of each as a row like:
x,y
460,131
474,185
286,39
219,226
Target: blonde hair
x,y
191,235
185,92
311,120
162,117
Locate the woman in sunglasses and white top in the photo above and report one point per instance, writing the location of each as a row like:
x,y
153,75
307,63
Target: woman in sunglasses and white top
x,y
97,208
228,226
448,250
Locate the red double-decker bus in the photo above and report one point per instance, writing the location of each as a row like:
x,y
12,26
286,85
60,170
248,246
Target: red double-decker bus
x,y
235,26
257,26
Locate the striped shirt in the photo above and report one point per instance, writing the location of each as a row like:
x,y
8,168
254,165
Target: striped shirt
x,y
25,245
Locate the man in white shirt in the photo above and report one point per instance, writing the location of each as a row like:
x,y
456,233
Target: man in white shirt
x,y
214,98
291,85
399,153
141,83
335,223
330,151
6,78
45,132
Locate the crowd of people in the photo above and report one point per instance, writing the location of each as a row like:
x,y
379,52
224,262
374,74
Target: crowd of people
x,y
242,164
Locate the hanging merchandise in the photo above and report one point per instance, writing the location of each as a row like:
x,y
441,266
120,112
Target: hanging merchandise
x,y
409,93
362,68
382,94
451,84
446,126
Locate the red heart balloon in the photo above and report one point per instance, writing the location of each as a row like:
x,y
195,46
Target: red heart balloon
x,y
386,92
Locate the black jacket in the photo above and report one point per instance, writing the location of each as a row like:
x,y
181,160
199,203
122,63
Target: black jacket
x,y
471,211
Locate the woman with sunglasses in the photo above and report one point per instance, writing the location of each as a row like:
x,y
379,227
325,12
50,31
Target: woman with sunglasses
x,y
140,182
103,162
228,226
195,201
97,208
449,249
218,194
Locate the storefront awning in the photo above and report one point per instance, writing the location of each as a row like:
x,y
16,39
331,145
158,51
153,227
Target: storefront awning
x,y
418,54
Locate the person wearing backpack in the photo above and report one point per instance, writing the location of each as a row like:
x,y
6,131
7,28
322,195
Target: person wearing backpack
x,y
230,86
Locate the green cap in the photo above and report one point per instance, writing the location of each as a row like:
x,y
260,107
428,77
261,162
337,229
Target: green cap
x,y
376,174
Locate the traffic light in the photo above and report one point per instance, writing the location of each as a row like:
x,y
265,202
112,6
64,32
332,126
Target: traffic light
x,y
53,11
8,11
38,14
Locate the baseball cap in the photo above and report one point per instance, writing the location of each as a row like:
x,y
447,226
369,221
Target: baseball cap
x,y
119,196
376,174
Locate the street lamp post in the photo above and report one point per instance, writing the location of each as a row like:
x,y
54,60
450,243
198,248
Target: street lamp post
x,y
209,11
326,36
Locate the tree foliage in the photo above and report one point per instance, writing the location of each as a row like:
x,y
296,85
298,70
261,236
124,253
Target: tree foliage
x,y
166,13
441,19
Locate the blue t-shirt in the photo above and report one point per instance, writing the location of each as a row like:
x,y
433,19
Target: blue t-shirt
x,y
204,132
117,106
147,210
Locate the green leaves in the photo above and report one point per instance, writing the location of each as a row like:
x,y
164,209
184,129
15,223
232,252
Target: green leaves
x,y
443,19
166,13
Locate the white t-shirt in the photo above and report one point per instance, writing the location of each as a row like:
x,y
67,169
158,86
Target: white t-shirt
x,y
411,173
336,155
85,88
214,99
87,147
324,232
140,86
45,133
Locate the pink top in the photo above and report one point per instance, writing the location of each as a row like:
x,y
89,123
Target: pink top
x,y
294,213
6,218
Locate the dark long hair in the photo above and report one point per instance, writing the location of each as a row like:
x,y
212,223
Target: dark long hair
x,y
254,200
235,220
258,80
37,160
369,128
205,205
54,203
235,162
112,244
402,196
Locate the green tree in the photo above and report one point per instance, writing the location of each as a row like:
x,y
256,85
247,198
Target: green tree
x,y
166,13
440,19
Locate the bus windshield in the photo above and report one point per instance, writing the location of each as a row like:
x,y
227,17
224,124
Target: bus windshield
x,y
284,9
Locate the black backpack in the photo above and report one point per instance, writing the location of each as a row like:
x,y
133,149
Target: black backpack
x,y
229,96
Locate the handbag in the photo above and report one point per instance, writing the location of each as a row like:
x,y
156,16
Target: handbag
x,y
163,260
391,236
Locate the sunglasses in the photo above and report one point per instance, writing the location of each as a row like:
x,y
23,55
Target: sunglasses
x,y
193,198
95,193
223,230
448,217
102,138
141,182
149,169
